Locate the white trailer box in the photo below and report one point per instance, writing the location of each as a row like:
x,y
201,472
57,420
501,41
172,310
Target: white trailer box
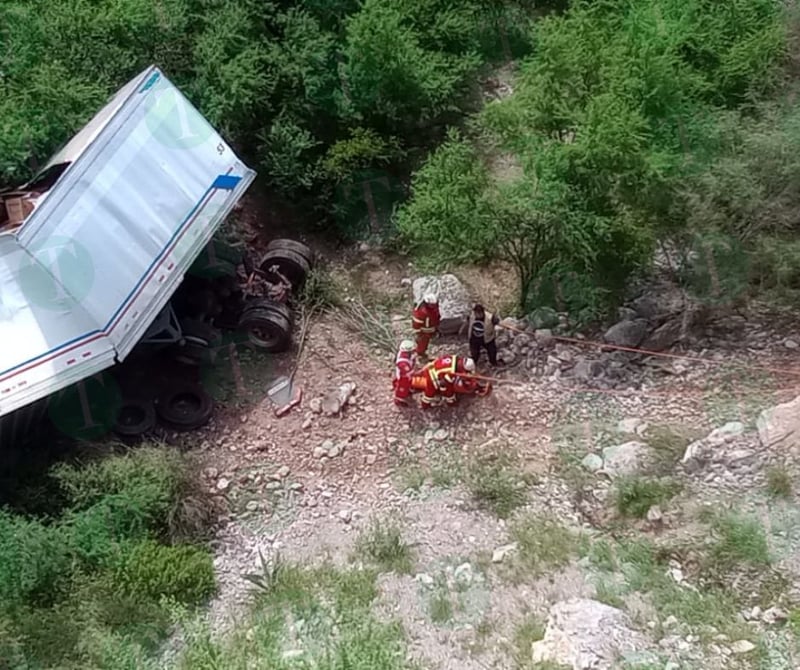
x,y
147,183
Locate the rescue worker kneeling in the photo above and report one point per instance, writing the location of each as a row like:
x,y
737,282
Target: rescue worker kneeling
x,y
441,377
403,369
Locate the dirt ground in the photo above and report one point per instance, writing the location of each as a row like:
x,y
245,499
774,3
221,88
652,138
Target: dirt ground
x,y
284,497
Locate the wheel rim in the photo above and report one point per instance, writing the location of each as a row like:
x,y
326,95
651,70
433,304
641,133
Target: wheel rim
x,y
262,337
186,404
131,415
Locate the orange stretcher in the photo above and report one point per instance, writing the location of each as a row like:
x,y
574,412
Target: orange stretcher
x,y
464,385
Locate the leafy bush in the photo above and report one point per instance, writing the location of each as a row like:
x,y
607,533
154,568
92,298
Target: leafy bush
x,y
739,540
635,495
34,562
384,546
447,219
150,570
496,484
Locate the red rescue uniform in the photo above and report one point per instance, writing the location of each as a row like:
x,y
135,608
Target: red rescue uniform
x,y
403,368
425,320
441,380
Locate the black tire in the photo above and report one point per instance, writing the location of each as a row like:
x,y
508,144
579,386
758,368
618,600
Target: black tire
x,y
290,264
268,325
135,418
199,338
185,407
293,245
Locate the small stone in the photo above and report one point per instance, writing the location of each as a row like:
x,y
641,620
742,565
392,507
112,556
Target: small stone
x,y
676,574
742,647
630,425
345,515
755,613
293,653
371,458
307,423
319,452
499,554
273,486
315,405
654,514
463,574
440,435
334,451
212,473
774,615
592,462
740,458
252,506
223,484
283,472
670,622
424,578
790,344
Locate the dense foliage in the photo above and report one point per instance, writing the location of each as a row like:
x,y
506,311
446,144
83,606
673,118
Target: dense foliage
x,y
632,124
106,572
312,91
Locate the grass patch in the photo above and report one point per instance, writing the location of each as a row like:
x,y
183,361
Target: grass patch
x,y
316,617
526,632
668,445
542,545
440,605
779,482
633,496
496,484
383,545
739,540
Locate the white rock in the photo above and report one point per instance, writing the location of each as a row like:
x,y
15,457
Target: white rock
x,y
320,452
654,514
774,615
592,462
315,405
725,433
780,425
499,554
587,634
630,425
625,459
742,647
345,515
790,344
463,574
223,484
293,653
424,578
334,451
670,621
283,471
440,435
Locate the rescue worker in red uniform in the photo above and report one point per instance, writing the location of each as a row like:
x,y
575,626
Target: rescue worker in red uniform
x,y
441,377
425,320
403,369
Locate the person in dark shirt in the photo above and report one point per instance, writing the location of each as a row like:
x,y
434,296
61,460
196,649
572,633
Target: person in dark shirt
x,y
481,327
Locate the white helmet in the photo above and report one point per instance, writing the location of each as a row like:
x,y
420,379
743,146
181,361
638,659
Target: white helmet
x,y
430,298
469,365
407,345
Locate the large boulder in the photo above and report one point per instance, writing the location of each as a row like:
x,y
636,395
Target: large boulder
x,y
585,634
627,333
454,302
626,459
780,425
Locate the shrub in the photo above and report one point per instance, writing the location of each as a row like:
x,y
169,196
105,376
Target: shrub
x,y
384,546
150,570
34,561
635,495
739,540
779,482
542,544
446,219
495,484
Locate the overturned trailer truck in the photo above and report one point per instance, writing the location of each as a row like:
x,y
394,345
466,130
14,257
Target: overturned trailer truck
x,y
93,249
